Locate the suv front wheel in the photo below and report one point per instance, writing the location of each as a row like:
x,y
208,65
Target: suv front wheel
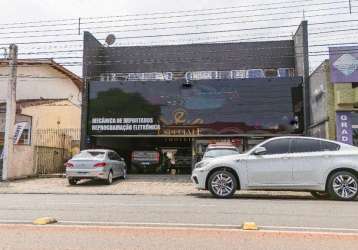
x,y
222,184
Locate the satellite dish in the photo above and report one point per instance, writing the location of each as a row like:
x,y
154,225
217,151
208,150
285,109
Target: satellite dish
x,y
110,39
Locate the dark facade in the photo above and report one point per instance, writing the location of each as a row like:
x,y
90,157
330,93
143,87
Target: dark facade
x,y
181,97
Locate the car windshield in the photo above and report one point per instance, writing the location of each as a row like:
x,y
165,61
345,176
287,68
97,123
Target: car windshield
x,y
90,155
213,153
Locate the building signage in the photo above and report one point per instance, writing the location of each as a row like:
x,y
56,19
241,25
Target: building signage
x,y
124,124
344,64
18,131
344,127
207,107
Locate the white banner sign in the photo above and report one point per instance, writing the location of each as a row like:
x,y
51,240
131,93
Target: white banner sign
x,y
18,130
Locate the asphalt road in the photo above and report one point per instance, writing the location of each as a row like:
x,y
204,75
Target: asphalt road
x,y
181,210
176,222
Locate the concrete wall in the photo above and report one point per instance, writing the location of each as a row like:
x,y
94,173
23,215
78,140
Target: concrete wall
x,y
23,164
302,66
335,97
319,83
48,84
200,57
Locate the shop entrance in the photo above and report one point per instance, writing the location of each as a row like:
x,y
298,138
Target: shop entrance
x,y
149,155
167,155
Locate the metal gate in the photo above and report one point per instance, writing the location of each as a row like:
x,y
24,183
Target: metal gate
x,y
53,147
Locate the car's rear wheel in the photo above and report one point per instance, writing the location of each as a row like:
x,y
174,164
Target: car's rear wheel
x,y
320,195
72,181
343,185
222,184
109,178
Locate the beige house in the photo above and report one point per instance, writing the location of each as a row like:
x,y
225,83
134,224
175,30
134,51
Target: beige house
x,y
48,100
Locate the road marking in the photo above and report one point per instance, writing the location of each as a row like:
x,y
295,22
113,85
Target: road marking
x,y
153,224
290,228
342,235
187,225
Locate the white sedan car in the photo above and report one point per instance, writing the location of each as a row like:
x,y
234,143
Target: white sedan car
x,y
95,164
327,169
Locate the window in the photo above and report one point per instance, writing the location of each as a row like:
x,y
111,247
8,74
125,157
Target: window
x,y
286,72
278,146
255,73
238,74
329,146
305,145
270,73
150,76
90,155
113,156
213,153
117,157
224,75
201,75
108,77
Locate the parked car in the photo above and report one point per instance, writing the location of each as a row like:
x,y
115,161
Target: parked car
x,y
144,161
218,150
328,169
95,164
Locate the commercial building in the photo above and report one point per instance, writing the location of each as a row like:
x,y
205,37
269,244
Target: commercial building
x,y
334,96
162,105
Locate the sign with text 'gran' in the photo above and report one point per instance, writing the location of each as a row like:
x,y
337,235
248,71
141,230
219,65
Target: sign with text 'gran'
x,y
344,127
344,64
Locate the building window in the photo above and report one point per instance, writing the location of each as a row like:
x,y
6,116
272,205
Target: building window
x,y
255,73
270,73
150,76
286,72
201,75
108,77
238,74
224,75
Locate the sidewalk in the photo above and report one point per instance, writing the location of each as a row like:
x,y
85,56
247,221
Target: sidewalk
x,y
135,184
163,185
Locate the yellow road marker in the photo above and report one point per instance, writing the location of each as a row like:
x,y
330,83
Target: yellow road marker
x,y
44,221
249,226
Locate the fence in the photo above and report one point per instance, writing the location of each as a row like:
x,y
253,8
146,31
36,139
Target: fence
x,y
53,147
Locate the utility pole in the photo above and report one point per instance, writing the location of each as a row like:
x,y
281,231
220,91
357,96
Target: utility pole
x,y
10,112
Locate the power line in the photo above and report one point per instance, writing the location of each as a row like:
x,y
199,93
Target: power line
x,y
195,14
188,33
174,22
152,13
159,28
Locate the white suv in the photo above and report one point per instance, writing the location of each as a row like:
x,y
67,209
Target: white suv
x,y
326,168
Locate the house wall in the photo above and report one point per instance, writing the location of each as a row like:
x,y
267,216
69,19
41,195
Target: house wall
x,y
54,115
23,164
52,85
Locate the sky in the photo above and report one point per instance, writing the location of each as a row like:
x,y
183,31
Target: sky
x,y
32,25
